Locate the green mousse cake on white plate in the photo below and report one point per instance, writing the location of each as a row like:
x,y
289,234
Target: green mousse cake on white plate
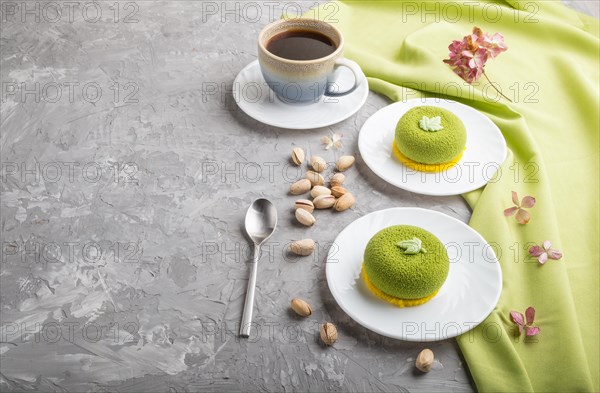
x,y
405,265
429,139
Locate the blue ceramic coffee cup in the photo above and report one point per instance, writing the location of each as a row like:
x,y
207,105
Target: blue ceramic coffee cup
x,y
304,81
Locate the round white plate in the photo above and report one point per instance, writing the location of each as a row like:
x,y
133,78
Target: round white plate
x,y
469,294
253,96
486,150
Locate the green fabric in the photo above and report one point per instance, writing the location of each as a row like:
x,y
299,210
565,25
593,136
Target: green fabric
x,y
552,132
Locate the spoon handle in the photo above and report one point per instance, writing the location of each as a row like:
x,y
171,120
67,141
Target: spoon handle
x,y
249,304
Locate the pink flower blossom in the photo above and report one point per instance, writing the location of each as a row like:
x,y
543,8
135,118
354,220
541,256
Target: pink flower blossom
x,y
525,323
522,216
494,44
468,56
545,252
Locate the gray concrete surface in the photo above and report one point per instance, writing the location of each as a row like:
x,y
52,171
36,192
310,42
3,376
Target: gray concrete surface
x,y
123,258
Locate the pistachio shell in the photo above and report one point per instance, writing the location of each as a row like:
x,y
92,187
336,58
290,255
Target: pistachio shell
x,y
318,163
319,190
344,162
302,186
338,191
301,308
303,247
304,217
297,155
315,178
337,180
324,201
304,204
345,202
424,360
328,333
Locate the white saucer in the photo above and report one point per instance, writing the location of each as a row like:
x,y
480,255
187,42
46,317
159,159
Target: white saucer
x,y
486,150
254,97
468,296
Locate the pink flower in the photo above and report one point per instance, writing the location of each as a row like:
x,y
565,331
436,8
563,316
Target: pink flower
x,y
468,56
522,216
525,323
494,44
545,252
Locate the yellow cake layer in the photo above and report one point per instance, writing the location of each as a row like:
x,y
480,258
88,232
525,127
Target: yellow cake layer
x,y
424,167
392,299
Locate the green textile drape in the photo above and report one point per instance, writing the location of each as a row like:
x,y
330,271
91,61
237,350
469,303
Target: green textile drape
x,y
551,71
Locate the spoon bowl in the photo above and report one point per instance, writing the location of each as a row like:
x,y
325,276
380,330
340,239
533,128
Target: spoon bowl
x,y
261,220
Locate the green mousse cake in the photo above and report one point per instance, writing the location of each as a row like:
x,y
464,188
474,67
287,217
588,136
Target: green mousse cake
x,y
430,135
405,262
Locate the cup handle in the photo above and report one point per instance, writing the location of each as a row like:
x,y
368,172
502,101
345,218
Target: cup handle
x,y
355,68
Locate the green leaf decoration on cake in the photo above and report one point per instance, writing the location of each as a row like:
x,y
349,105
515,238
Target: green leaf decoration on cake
x,y
412,246
431,125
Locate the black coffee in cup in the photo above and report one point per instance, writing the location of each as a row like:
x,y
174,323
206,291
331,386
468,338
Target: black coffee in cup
x,y
301,44
298,58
